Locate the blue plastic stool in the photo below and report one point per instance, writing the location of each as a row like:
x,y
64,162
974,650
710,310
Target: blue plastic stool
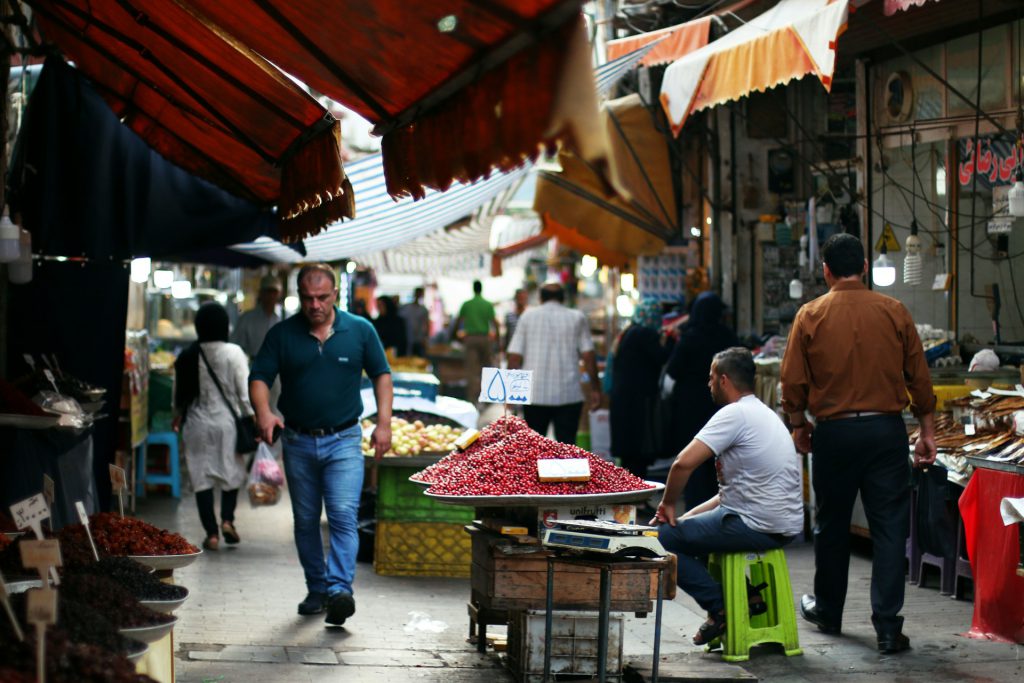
x,y
173,475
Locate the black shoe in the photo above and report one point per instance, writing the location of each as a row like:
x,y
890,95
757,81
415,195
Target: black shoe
x,y
809,610
340,607
893,644
313,604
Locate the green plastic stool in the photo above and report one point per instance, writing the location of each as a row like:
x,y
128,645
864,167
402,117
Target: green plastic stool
x,y
776,625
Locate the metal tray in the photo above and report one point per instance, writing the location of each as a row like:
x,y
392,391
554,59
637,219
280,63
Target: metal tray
x,y
166,561
165,606
138,649
986,464
621,497
422,460
148,634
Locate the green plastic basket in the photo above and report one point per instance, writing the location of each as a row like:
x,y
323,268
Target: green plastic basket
x,y
398,499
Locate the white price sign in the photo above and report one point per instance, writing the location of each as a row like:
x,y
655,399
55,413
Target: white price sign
x,y
30,513
506,386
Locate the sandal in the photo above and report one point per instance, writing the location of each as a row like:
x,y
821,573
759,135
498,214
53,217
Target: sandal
x,y
230,533
710,630
211,543
755,601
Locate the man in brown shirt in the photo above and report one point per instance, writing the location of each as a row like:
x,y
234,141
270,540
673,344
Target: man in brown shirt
x,y
852,356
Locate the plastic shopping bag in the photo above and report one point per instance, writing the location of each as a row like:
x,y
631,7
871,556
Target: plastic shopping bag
x,y
265,478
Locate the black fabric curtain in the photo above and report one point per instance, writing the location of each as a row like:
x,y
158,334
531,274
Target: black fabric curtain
x,y
78,313
86,185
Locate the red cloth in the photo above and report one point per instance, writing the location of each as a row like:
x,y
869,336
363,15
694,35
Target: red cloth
x,y
994,550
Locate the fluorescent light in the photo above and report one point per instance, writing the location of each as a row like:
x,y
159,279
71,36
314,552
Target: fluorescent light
x,y
163,278
625,306
181,289
350,267
291,303
141,268
695,231
940,181
708,220
627,282
588,265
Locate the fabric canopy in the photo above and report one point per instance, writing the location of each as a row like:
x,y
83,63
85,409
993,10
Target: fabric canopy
x,y
791,40
672,43
208,104
640,219
508,75
384,224
84,185
894,6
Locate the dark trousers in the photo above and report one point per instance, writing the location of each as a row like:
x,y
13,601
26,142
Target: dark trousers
x,y
204,500
566,418
867,455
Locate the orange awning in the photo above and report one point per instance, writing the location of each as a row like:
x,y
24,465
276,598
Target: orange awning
x,y
638,218
791,40
674,42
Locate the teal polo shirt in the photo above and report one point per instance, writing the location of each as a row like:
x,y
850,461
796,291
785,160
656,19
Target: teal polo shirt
x,y
320,384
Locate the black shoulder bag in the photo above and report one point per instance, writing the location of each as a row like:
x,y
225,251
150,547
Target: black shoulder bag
x,y
245,425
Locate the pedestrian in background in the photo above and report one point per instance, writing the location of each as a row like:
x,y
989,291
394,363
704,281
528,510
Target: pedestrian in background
x,y
253,325
207,422
320,355
703,335
519,302
417,325
479,327
550,340
390,326
851,359
638,357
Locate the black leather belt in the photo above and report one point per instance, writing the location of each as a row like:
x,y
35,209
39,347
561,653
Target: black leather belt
x,y
854,414
325,431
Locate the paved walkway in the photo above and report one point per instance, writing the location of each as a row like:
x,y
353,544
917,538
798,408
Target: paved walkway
x,y
240,624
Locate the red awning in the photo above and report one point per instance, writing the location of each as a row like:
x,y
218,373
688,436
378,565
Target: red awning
x,y
209,105
894,6
456,87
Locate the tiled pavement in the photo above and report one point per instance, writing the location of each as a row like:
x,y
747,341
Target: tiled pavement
x,y
240,624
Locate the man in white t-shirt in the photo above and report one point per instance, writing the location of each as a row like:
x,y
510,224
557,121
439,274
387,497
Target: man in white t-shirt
x,y
759,505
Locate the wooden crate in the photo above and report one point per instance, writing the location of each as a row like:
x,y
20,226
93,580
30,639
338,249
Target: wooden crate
x,y
511,576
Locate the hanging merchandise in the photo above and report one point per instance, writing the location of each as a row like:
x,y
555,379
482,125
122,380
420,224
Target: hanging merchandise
x,y
912,263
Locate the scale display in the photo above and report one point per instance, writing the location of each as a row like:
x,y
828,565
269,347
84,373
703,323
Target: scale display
x,y
626,540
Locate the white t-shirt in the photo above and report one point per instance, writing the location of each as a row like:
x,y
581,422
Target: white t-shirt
x,y
759,472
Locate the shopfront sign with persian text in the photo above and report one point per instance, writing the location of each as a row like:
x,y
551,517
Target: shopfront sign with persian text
x,y
993,160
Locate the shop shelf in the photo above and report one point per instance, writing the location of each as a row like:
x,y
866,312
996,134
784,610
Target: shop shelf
x,y
398,499
422,549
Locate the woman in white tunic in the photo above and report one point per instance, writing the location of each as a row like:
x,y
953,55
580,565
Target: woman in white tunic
x,y
208,425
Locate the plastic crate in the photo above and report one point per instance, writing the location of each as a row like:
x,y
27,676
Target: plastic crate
x,y
422,549
400,500
573,644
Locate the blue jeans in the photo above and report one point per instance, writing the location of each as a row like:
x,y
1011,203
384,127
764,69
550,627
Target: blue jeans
x,y
717,530
325,472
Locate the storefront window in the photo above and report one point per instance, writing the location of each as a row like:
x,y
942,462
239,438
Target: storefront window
x,y
928,90
962,70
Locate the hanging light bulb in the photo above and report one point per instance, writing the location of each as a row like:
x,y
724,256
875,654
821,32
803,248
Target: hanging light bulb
x,y
796,286
912,262
1016,196
803,260
883,272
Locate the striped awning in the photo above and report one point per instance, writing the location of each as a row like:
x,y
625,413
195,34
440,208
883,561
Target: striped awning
x,y
672,43
384,223
894,6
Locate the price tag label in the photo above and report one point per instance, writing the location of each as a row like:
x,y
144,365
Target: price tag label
x,y
48,490
83,517
506,386
42,606
118,480
30,513
40,554
568,469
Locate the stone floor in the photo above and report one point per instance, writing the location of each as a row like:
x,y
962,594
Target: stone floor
x,y
240,624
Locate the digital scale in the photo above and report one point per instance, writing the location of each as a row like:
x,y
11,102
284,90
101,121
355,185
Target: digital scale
x,y
608,538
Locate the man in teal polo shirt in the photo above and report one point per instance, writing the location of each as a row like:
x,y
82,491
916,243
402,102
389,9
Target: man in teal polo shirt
x,y
476,317
320,355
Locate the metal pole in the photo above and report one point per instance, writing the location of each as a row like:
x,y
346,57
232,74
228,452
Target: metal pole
x,y
547,617
602,624
657,623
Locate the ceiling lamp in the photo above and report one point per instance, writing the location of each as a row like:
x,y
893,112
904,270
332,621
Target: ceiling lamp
x,y
912,262
883,272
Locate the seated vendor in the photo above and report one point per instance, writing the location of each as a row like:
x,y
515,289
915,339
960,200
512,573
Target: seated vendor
x,y
759,505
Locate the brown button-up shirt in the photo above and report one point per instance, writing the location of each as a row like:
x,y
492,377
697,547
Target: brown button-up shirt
x,y
853,349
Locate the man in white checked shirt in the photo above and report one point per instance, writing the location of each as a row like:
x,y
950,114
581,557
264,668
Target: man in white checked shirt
x,y
550,340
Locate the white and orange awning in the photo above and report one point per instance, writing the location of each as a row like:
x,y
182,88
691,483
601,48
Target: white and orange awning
x,y
673,42
793,39
894,6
